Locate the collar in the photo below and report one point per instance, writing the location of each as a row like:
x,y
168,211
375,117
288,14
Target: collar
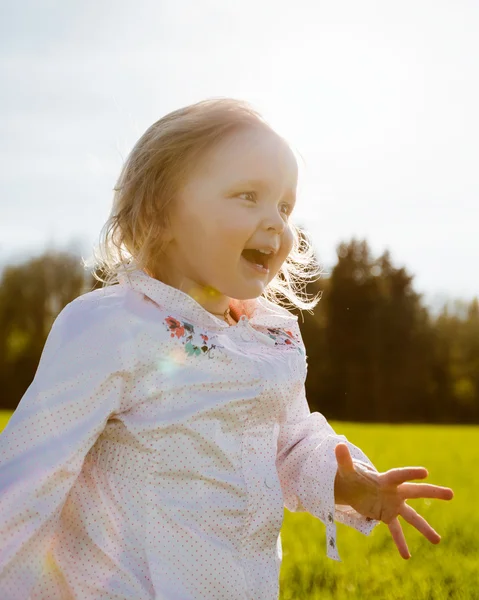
x,y
257,311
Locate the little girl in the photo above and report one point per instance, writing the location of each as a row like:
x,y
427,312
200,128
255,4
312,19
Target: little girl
x,y
167,426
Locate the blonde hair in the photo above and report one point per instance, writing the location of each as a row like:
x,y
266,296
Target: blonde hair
x,y
155,170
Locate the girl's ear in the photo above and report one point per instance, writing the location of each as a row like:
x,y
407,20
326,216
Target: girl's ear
x,y
167,230
167,237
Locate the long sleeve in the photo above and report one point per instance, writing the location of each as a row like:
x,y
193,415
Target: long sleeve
x,y
79,384
307,467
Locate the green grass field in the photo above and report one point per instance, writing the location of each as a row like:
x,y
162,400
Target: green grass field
x,y
372,567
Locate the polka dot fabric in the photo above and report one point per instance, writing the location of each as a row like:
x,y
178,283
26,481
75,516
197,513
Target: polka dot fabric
x,y
155,450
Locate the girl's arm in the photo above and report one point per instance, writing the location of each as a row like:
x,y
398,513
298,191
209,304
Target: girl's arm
x,y
79,384
307,468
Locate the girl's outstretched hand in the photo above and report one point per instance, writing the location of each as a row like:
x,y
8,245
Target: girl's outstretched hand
x,y
382,496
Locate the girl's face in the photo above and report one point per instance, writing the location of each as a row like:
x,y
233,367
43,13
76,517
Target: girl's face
x,y
239,196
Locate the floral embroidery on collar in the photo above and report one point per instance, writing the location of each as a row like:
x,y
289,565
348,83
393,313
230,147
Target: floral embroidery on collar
x,y
201,344
194,345
283,337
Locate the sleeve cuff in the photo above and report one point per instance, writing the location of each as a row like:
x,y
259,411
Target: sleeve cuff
x,y
321,466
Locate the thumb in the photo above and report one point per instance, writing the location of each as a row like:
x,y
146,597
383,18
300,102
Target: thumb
x,y
343,456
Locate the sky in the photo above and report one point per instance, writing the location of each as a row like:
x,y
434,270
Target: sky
x,y
379,98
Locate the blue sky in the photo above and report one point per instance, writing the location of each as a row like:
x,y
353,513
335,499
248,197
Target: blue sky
x,y
380,98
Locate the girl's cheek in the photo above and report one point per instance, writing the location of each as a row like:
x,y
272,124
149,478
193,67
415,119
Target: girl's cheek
x,y
237,231
287,243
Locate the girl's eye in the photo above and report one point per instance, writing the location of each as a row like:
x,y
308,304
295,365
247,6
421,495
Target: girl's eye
x,y
243,193
289,207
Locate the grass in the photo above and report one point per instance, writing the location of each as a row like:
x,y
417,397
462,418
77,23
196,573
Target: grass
x,y
4,418
372,568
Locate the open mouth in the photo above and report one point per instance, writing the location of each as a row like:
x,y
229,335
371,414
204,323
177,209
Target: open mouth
x,y
257,259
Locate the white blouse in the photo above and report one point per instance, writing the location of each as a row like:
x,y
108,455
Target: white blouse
x,y
155,450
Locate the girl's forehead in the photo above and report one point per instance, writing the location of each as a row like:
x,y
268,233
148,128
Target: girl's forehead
x,y
248,142
251,155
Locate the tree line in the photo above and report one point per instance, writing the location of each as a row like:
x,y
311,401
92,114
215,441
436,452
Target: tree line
x,y
375,352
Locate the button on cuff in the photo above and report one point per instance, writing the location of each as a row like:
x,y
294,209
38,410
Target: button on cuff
x,y
269,481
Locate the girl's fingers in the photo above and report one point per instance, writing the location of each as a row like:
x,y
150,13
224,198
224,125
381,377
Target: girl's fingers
x,y
398,537
413,518
343,456
401,474
425,490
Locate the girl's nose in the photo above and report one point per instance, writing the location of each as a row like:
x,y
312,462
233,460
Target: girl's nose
x,y
275,221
